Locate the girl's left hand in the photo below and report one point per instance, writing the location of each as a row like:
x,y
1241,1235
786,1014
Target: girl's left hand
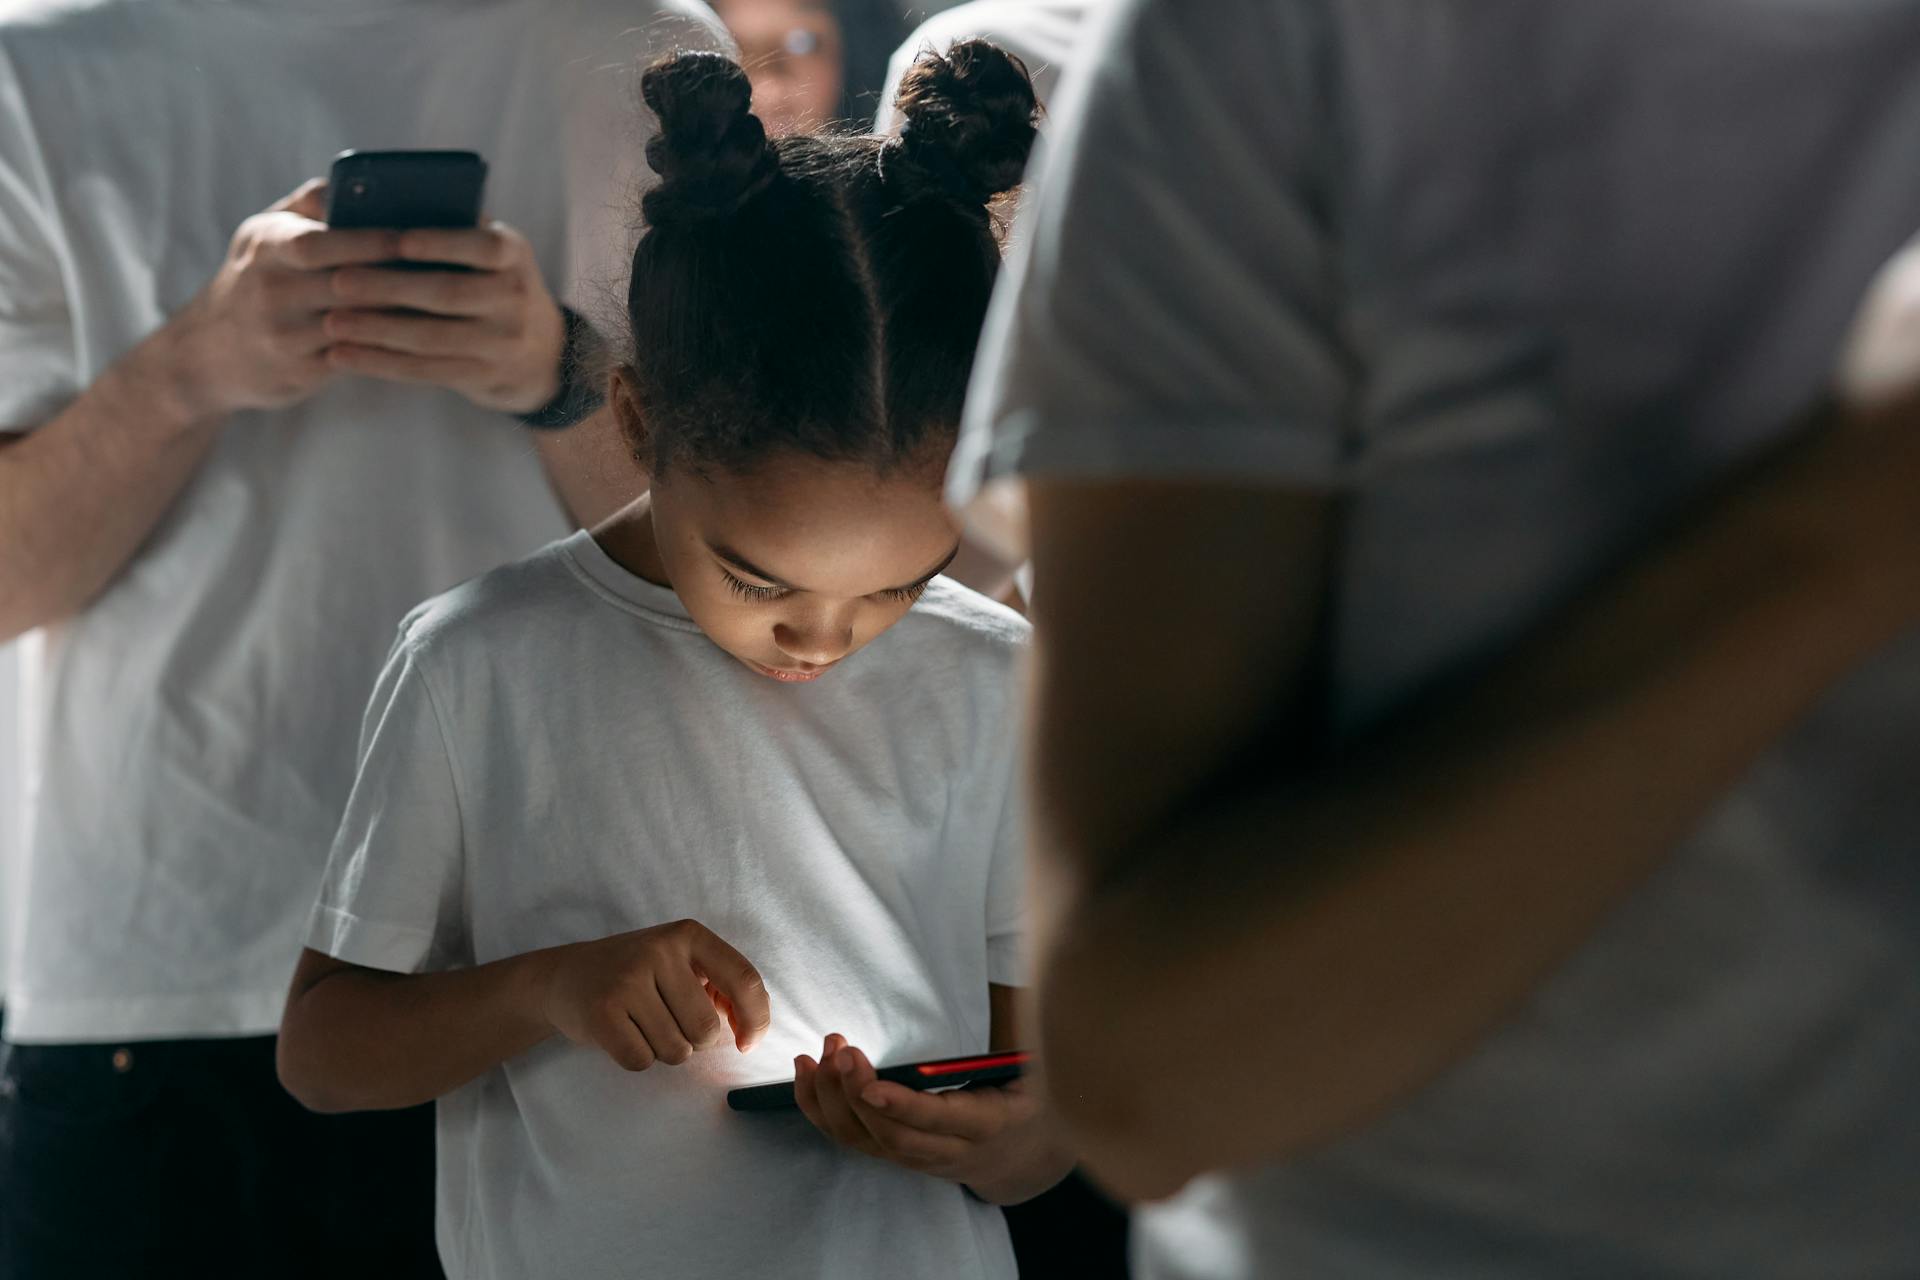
x,y
991,1139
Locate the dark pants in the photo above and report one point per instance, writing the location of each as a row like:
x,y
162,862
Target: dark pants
x,y
185,1157
1073,1232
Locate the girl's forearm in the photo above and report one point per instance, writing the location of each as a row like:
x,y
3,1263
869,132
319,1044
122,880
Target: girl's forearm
x,y
357,1039
1038,1167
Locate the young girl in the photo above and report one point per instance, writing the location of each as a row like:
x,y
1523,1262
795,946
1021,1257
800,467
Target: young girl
x,y
673,805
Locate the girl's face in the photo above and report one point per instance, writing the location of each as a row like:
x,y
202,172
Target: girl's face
x,y
796,565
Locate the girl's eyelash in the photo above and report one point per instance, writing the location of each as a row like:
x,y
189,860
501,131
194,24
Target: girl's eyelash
x,y
747,591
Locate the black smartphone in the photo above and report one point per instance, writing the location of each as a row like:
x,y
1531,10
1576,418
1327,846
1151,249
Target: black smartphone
x,y
940,1073
401,190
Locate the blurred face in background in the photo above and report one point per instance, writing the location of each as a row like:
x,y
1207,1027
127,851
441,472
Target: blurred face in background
x,y
793,53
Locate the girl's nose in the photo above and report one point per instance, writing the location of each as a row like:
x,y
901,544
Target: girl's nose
x,y
817,642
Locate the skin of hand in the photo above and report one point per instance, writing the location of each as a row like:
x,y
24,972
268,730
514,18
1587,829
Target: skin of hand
x,y
491,331
996,1140
255,337
654,995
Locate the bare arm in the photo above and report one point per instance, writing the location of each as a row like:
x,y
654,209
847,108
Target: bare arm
x,y
1044,1158
1350,930
360,1039
79,495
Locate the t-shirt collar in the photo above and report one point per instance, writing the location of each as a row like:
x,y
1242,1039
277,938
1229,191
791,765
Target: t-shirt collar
x,y
621,582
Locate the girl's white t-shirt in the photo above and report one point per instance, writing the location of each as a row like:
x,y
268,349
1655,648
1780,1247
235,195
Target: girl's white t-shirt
x,y
555,753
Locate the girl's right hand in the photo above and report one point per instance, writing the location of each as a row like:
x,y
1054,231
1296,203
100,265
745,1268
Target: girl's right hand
x,y
654,995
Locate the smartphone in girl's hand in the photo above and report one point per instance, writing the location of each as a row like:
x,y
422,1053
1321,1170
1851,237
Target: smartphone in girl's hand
x,y
939,1073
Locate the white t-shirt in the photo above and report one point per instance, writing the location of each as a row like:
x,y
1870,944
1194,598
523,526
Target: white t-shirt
x,y
1044,33
190,744
1518,281
556,753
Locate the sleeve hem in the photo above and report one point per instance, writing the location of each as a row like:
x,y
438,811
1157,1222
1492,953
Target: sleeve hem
x,y
1006,966
391,947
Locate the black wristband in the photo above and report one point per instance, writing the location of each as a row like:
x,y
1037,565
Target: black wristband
x,y
579,393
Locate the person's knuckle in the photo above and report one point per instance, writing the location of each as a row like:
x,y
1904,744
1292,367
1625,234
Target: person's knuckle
x,y
300,247
621,1044
255,229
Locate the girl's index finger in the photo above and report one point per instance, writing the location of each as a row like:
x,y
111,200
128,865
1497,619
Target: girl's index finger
x,y
482,248
731,974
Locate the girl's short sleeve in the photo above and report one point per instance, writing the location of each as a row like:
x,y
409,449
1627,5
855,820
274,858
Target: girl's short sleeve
x,y
391,897
1171,303
1007,897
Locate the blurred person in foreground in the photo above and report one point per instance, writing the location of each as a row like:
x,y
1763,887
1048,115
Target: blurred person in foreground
x,y
1477,681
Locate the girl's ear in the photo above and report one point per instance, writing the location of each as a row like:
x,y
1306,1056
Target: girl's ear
x,y
626,412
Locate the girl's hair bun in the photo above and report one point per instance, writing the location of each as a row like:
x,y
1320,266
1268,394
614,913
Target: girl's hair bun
x,y
711,152
968,120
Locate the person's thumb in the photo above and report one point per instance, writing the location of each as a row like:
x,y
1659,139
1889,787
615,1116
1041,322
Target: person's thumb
x,y
309,200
